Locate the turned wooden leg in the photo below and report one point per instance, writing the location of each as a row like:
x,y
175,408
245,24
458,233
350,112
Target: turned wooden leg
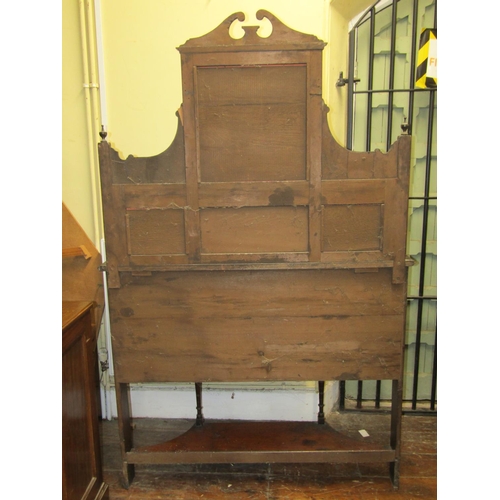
x,y
396,415
200,420
321,391
125,431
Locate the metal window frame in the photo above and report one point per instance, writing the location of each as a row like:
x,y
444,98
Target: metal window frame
x,y
421,298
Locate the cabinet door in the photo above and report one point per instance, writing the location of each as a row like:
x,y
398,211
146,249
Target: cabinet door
x,y
80,453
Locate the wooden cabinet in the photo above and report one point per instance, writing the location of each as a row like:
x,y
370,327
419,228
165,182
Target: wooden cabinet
x,y
82,306
256,248
81,453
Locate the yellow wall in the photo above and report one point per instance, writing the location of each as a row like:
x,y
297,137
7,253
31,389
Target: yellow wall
x,y
143,77
143,73
76,183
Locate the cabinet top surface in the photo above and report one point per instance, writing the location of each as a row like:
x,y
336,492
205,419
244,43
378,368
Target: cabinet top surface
x,y
72,310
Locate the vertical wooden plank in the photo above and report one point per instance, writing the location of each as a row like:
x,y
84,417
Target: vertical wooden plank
x,y
401,194
396,212
114,217
394,244
314,143
403,160
191,211
396,415
125,430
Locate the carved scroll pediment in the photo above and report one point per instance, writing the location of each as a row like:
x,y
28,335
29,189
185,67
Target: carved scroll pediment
x,y
281,38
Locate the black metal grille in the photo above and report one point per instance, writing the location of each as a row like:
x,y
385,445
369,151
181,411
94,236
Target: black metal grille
x,y
382,96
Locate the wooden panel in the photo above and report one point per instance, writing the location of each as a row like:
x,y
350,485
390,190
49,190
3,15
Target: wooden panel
x,y
252,123
352,227
276,325
254,229
152,232
77,449
236,85
81,452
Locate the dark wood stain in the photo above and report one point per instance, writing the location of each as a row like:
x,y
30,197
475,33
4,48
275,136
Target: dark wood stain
x,y
282,196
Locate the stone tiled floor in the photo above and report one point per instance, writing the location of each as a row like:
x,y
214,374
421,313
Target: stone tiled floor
x,y
280,481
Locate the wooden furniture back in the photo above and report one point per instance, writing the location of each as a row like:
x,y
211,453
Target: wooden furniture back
x,y
256,247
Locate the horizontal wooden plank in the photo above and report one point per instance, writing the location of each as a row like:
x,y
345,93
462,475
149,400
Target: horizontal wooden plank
x,y
249,457
344,192
254,230
353,260
302,292
270,325
261,293
268,57
262,262
252,259
285,348
146,196
252,194
152,262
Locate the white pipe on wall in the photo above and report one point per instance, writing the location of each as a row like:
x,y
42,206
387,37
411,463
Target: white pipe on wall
x,y
92,134
100,63
93,109
96,113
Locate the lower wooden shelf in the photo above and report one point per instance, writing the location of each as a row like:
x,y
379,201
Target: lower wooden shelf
x,y
255,442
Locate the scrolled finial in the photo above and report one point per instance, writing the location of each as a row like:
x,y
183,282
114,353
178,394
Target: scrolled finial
x,y
405,125
103,133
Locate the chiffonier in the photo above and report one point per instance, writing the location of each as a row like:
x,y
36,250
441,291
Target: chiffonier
x,y
256,248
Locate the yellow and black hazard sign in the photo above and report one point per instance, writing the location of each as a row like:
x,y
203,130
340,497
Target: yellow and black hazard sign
x,y
427,60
